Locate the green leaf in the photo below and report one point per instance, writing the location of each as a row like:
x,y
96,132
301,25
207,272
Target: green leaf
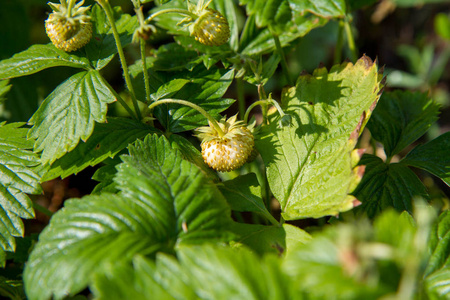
x,y
433,157
439,244
168,89
228,9
339,262
106,140
164,202
102,46
387,185
401,117
16,181
263,42
206,272
438,284
192,155
37,58
271,12
262,239
11,289
244,194
206,88
437,273
308,164
322,8
105,176
69,113
4,89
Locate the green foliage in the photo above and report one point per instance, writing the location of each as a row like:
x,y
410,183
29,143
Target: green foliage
x,y
163,202
161,223
17,179
308,163
401,118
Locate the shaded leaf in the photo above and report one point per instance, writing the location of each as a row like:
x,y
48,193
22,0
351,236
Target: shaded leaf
x,y
106,140
105,176
16,181
322,8
387,185
261,239
401,117
206,88
308,164
272,12
37,58
243,193
164,202
4,89
433,157
69,113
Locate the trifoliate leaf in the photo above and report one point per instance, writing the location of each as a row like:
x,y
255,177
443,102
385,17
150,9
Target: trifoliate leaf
x,y
69,113
400,118
309,165
433,157
37,58
16,181
387,185
164,202
106,140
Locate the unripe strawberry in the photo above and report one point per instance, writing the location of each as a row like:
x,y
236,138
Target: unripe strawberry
x,y
230,151
211,28
68,30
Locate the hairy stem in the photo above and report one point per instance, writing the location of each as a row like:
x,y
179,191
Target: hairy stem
x,y
351,41
339,43
109,14
283,58
42,209
171,10
211,120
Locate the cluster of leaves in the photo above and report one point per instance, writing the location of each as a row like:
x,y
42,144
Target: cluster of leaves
x,y
159,222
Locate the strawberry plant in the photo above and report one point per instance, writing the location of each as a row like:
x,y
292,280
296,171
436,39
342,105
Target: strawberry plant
x,y
221,170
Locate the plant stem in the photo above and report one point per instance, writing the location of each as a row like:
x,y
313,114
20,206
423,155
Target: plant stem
x,y
171,10
211,120
109,14
42,209
264,103
351,41
121,101
283,58
339,43
240,96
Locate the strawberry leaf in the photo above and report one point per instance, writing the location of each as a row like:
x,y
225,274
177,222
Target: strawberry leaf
x,y
16,181
69,113
164,202
433,157
387,185
400,118
102,47
309,168
37,58
106,140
